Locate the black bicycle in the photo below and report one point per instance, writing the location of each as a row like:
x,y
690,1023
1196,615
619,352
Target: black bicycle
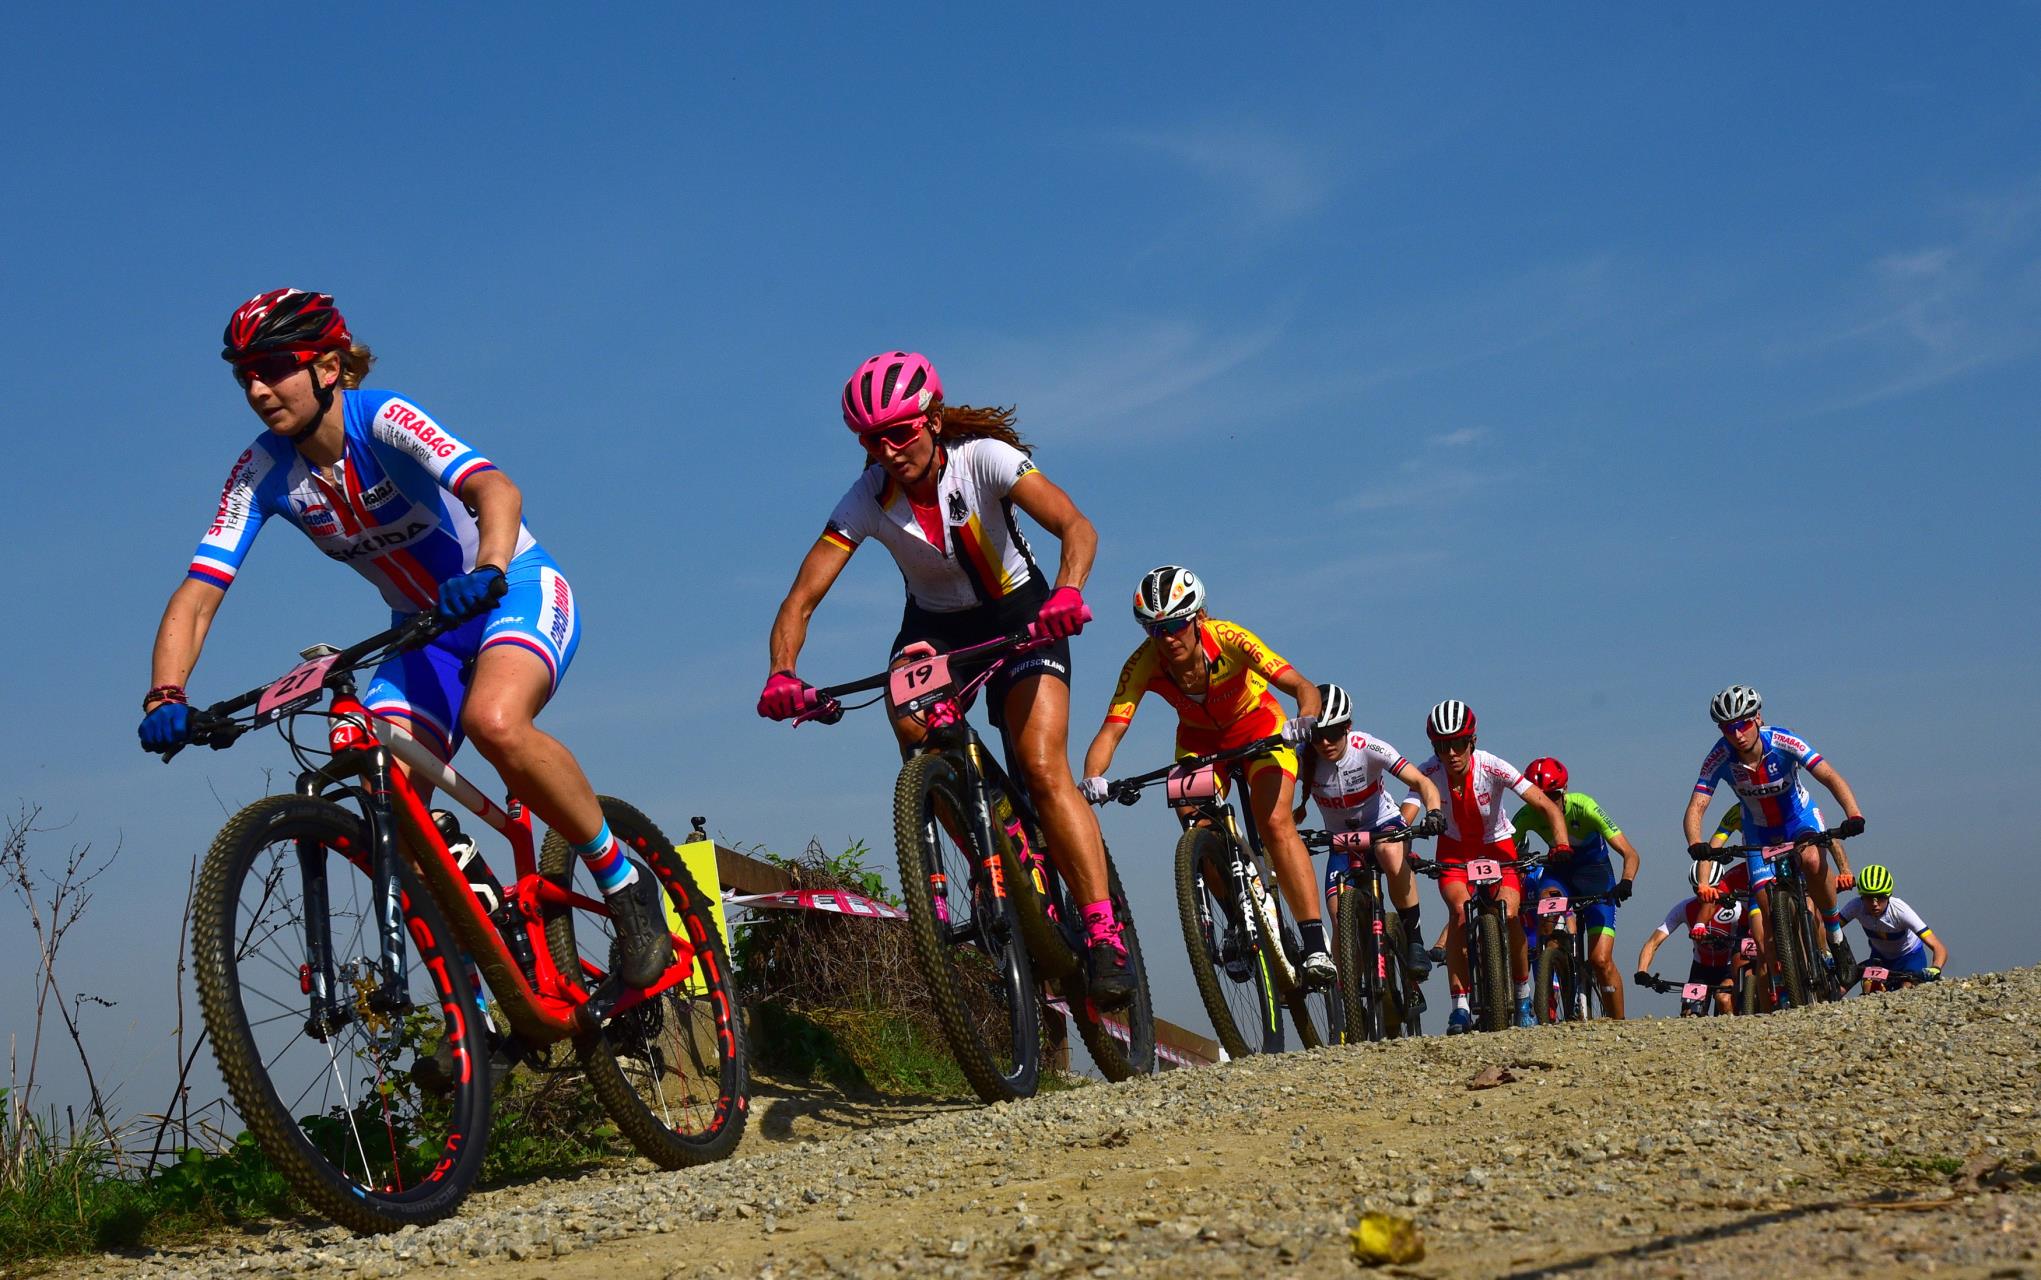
x,y
1800,949
1378,996
1697,999
1563,988
1490,995
989,912
1245,951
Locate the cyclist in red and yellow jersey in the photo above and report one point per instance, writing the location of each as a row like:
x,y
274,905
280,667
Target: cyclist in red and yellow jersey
x,y
1217,676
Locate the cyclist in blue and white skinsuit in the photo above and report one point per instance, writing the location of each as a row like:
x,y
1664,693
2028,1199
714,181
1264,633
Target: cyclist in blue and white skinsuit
x,y
381,487
1762,765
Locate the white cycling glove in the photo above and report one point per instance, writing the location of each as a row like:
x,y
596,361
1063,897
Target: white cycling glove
x,y
1094,789
1296,731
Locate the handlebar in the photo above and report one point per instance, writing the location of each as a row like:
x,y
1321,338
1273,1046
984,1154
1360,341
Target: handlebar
x,y
1652,982
1128,790
215,726
829,706
1822,838
1357,841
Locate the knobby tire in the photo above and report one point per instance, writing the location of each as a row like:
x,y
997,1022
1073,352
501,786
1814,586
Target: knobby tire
x,y
1117,1059
1353,950
1204,925
1491,950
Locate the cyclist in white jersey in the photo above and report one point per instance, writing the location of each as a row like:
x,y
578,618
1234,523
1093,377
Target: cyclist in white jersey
x,y
1344,773
939,491
1900,939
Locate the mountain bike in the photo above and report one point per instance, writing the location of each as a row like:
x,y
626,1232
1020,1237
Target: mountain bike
x,y
1244,949
1490,997
333,934
989,912
1697,999
1878,977
1379,999
1563,987
1806,970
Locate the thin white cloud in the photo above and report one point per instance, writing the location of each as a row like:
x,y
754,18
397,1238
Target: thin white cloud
x,y
1459,438
1274,177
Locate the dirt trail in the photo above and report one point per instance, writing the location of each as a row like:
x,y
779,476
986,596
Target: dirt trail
x,y
1822,1142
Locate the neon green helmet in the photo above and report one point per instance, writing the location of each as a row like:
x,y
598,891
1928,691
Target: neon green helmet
x,y
1875,880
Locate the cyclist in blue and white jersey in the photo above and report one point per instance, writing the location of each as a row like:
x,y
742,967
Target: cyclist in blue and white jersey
x,y
381,487
1762,765
1900,940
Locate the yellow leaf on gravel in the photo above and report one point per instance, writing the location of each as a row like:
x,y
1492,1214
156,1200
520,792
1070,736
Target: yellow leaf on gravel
x,y
1384,1239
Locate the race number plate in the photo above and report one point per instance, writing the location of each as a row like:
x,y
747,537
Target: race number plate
x,y
1484,871
298,687
1694,991
1351,842
1199,784
1748,947
919,683
1874,973
1552,906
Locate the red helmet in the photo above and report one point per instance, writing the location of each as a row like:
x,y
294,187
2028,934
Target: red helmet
x,y
890,388
285,320
1546,774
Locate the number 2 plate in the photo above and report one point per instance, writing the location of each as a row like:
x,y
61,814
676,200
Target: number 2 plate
x,y
1748,947
1552,906
298,686
1484,871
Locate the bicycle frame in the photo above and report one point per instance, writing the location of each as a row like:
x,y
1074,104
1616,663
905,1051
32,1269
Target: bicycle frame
x,y
542,1006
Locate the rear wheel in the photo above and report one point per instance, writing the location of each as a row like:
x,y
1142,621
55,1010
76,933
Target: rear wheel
x,y
1397,997
966,940
670,1070
1749,991
1122,1042
1491,952
1232,977
335,1106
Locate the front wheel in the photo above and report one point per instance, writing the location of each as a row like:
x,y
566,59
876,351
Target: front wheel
x,y
1554,985
1491,953
1121,1043
670,1071
1232,976
966,940
318,1062
1789,941
1313,1011
1362,982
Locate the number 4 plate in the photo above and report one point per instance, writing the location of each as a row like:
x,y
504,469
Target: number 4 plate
x,y
1694,991
299,686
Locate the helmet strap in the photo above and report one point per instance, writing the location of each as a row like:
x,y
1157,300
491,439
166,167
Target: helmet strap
x,y
324,395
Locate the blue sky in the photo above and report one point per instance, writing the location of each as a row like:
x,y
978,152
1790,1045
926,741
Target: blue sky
x,y
1574,362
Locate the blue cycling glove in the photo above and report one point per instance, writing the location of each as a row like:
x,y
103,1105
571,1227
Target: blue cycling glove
x,y
469,595
169,725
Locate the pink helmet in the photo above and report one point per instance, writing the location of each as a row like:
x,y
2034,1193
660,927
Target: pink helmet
x,y
888,389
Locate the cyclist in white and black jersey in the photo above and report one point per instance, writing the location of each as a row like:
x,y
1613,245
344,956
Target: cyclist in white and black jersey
x,y
1344,772
938,491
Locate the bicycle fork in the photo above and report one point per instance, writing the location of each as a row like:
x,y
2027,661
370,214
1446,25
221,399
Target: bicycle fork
x,y
384,996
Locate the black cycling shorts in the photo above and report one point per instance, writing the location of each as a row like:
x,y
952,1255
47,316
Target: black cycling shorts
x,y
966,627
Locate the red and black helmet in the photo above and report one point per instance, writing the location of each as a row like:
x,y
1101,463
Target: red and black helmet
x,y
285,320
1546,774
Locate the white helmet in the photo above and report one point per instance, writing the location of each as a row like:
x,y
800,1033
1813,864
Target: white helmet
x,y
1336,710
1734,703
1714,876
1171,591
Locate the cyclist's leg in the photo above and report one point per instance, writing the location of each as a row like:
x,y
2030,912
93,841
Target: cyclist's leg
x,y
1453,888
1601,956
1512,895
1037,721
1270,782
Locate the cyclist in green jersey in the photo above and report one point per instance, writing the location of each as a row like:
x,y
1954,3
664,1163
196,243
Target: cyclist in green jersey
x,y
1588,871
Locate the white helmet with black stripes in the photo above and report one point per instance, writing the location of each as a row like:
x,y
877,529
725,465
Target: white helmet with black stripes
x,y
1167,593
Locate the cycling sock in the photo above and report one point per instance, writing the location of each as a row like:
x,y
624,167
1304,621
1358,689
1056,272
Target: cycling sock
x,y
1460,1001
1834,921
1524,989
1099,921
607,863
1409,917
1314,935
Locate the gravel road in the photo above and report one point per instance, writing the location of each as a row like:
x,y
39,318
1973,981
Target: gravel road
x,y
1819,1142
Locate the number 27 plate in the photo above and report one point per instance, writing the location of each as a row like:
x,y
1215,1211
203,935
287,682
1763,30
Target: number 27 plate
x,y
300,685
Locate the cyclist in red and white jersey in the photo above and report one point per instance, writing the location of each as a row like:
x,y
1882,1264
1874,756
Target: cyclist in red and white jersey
x,y
1344,773
1474,783
1716,927
938,492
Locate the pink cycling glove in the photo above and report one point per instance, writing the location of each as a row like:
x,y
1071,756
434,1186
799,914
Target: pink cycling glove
x,y
786,695
1063,614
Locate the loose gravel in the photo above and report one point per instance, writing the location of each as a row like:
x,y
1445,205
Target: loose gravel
x,y
1818,1142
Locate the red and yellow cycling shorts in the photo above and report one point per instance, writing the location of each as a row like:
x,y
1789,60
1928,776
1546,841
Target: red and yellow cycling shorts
x,y
1268,719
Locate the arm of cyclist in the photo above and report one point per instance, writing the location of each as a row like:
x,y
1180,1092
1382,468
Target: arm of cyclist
x,y
1098,757
1555,818
1621,844
180,638
1427,794
1309,704
1650,951
1852,824
1062,613
1938,955
498,505
785,693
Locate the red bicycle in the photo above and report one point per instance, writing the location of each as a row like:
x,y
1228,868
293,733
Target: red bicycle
x,y
334,934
